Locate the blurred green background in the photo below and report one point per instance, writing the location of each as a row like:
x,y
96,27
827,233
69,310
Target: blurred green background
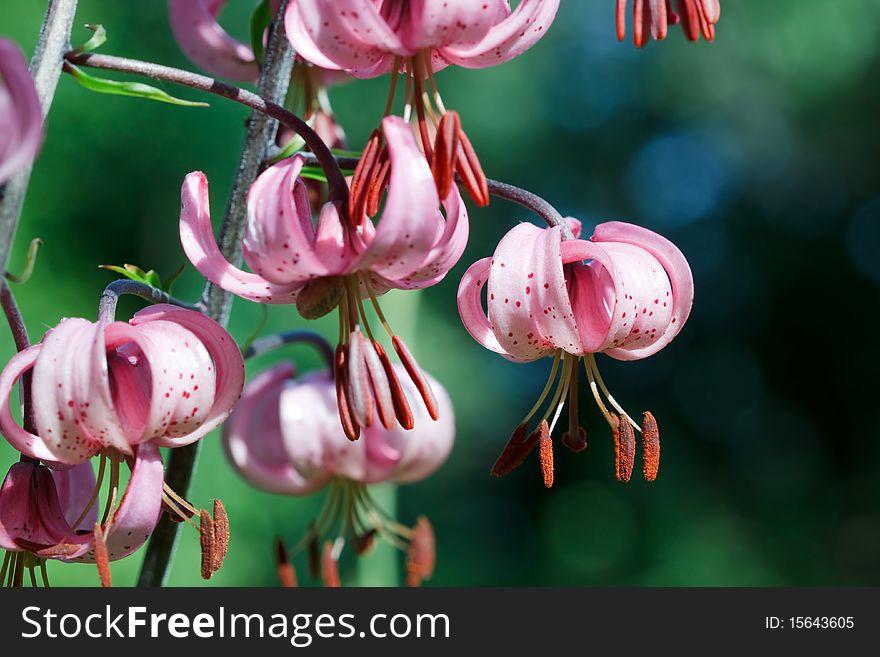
x,y
756,154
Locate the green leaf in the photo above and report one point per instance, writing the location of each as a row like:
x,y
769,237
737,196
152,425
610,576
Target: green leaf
x,y
97,39
338,152
313,173
260,21
134,89
135,273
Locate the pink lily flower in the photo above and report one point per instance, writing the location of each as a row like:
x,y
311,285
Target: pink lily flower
x,y
207,44
285,437
21,118
54,514
651,18
336,263
368,38
167,377
628,301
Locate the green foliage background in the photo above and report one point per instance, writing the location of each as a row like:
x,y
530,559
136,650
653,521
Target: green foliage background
x,y
756,154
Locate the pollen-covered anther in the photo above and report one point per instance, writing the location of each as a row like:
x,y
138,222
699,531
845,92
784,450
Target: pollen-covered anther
x,y
206,542
578,443
415,374
650,446
221,534
102,557
286,571
515,451
624,448
421,557
446,152
330,566
546,453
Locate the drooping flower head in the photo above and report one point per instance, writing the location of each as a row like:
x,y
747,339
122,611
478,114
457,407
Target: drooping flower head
x,y
338,262
285,437
21,119
651,18
168,376
118,391
368,38
626,293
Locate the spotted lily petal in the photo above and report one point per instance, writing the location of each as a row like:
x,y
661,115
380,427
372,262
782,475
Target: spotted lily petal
x,y
279,244
31,516
345,34
195,26
411,220
507,39
435,23
228,365
75,486
197,238
21,125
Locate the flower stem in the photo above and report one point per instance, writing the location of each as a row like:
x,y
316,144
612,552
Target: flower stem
x,y
22,342
45,67
110,297
269,343
272,89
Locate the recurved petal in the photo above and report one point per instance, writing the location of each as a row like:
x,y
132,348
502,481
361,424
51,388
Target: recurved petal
x,y
22,117
30,514
528,304
470,307
206,43
676,267
253,441
442,23
446,251
197,238
228,364
279,244
343,34
23,441
139,509
509,38
411,220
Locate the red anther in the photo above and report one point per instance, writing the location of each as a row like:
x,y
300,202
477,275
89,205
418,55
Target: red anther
x,y
329,567
362,176
377,185
471,171
578,444
363,543
381,387
349,425
314,553
650,446
102,557
445,151
515,452
621,20
221,534
624,449
690,19
421,557
285,569
659,22
546,453
401,406
415,374
206,542
360,396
